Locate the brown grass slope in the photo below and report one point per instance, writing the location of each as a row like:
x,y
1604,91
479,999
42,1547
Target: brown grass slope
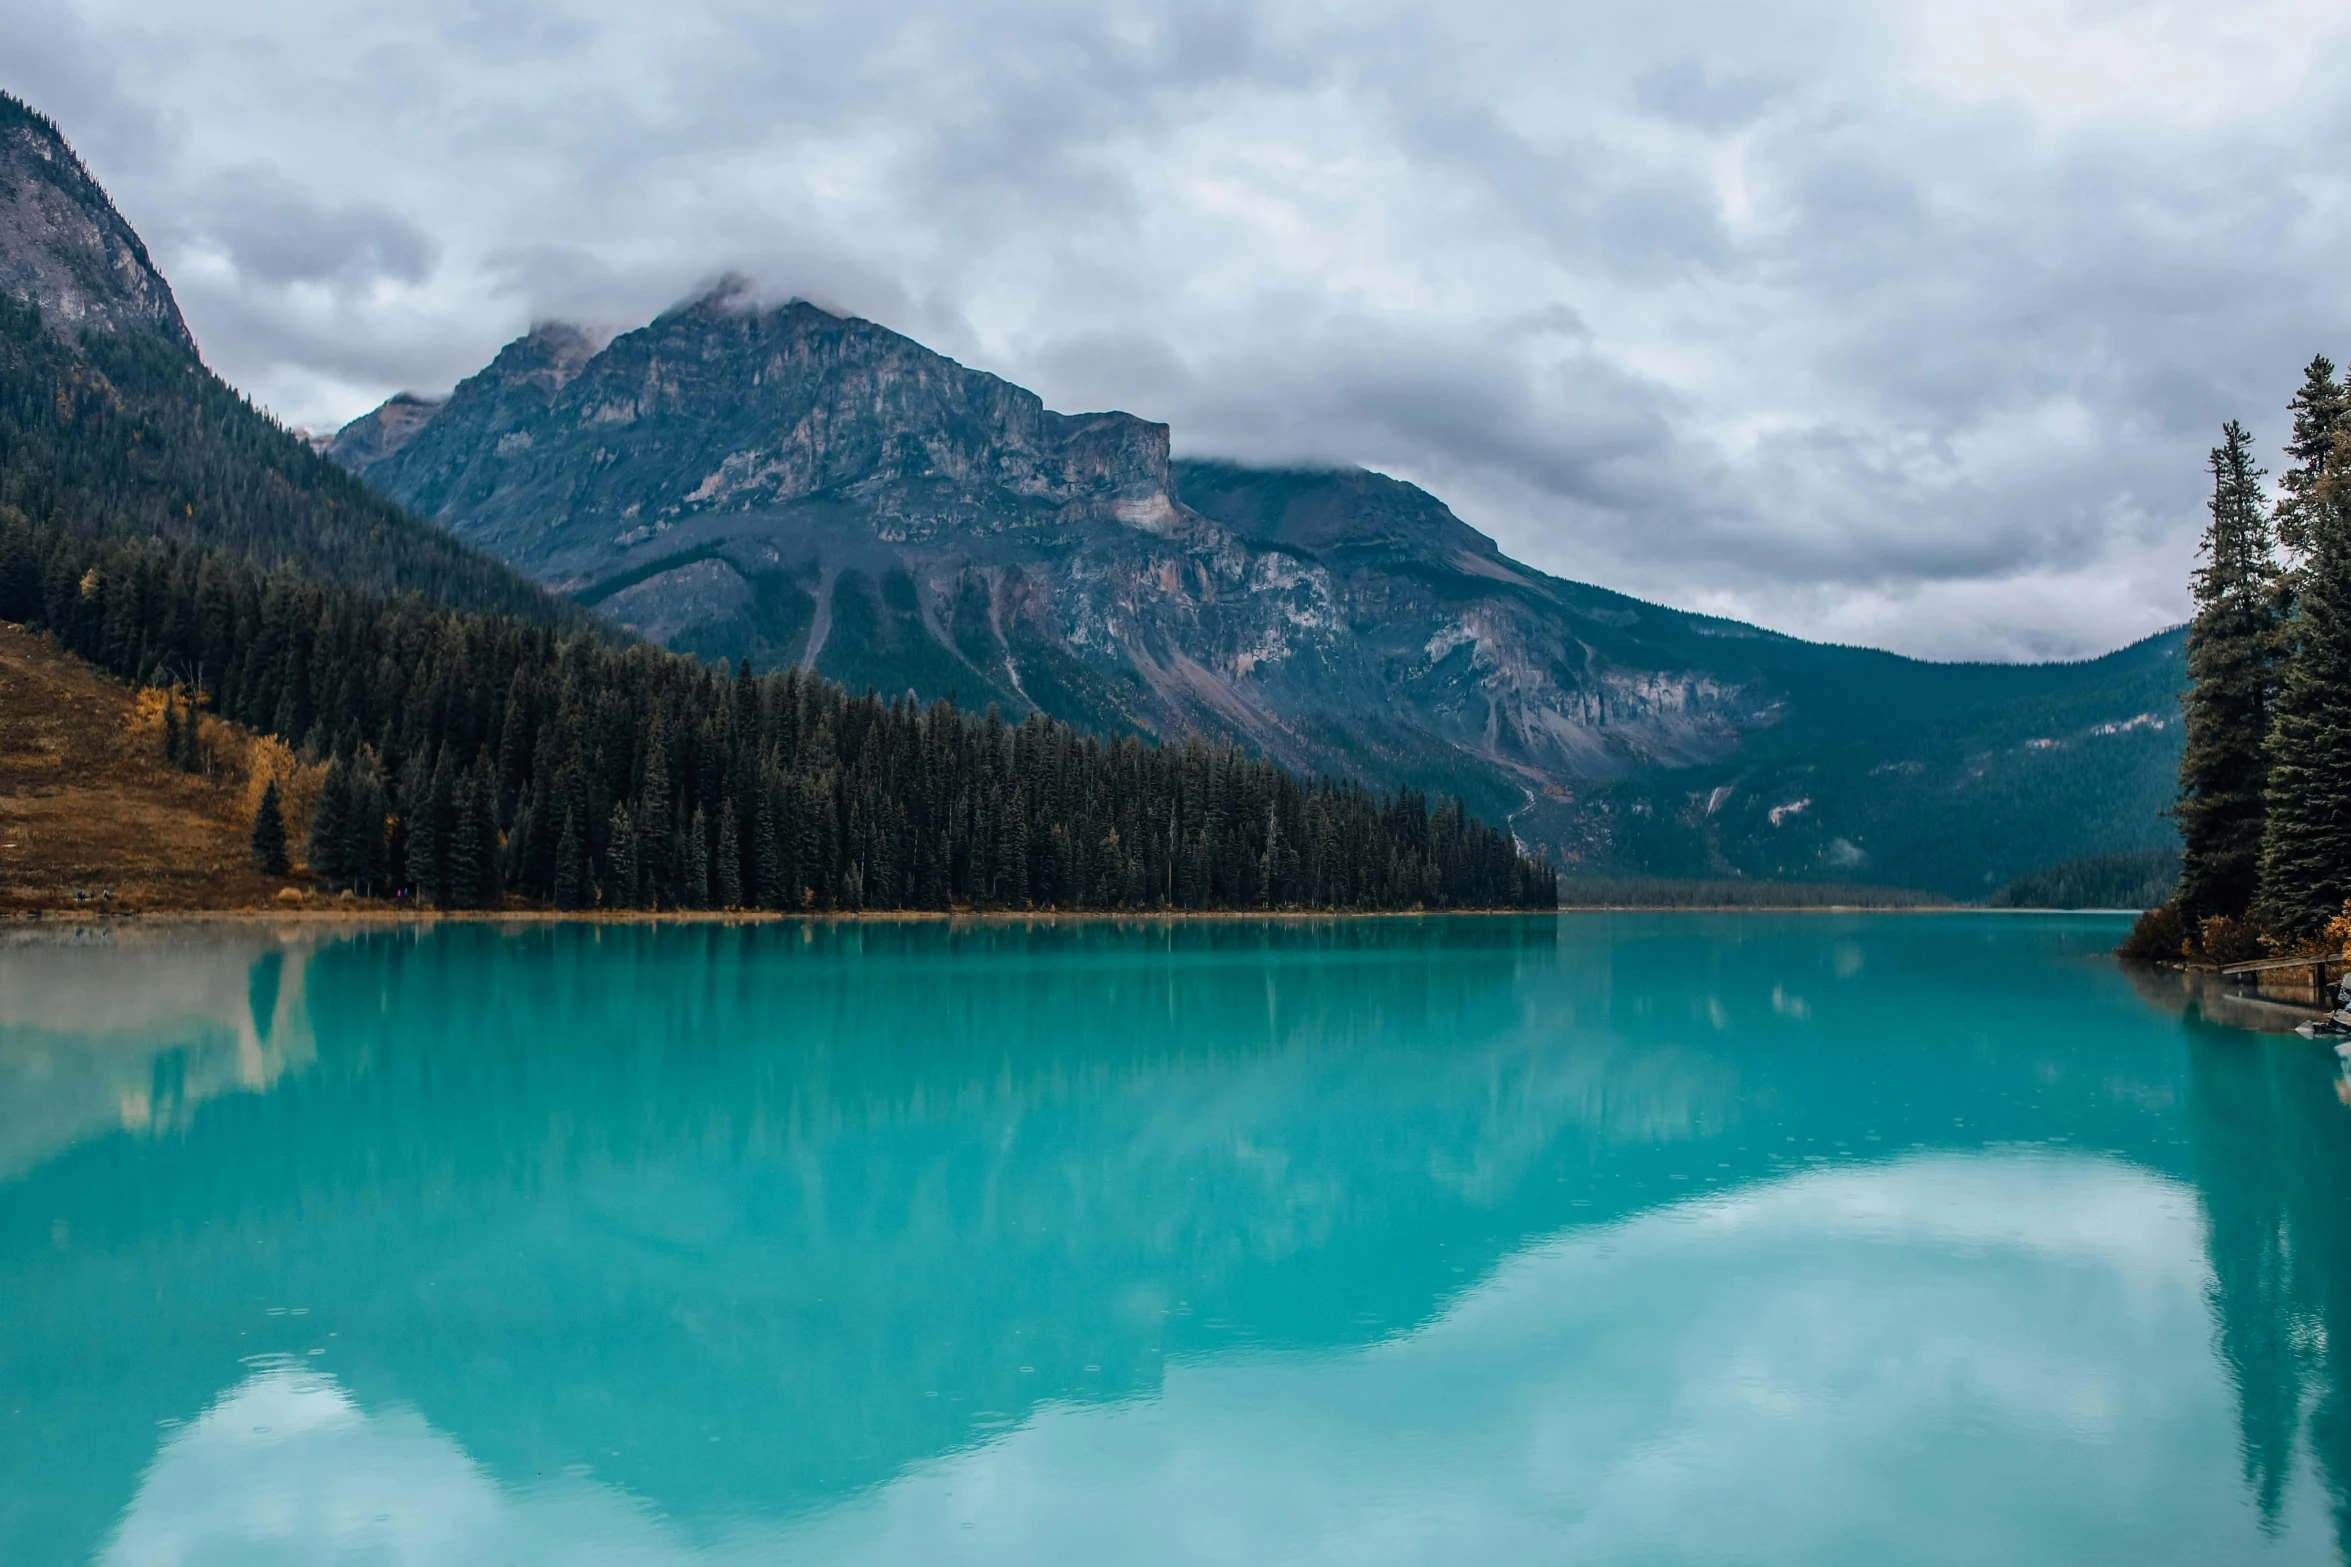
x,y
91,816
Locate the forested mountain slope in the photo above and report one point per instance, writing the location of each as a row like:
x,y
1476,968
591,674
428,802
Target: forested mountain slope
x,y
778,482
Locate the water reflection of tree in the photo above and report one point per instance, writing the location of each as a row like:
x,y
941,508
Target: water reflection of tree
x,y
2273,1161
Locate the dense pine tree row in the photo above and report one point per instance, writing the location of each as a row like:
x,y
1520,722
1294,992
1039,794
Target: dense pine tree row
x,y
474,756
2265,783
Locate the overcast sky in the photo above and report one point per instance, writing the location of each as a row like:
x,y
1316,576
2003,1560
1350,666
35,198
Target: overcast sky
x,y
1886,323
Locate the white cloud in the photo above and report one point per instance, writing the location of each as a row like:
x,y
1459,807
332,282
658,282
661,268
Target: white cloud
x,y
1906,324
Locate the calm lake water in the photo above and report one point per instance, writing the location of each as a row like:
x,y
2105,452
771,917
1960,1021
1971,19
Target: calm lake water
x,y
1659,1239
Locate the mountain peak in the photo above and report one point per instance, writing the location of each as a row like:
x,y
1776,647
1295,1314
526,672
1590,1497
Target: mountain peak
x,y
736,294
64,247
383,430
550,353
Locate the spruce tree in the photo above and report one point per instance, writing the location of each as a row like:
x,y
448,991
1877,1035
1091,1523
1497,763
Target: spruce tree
x,y
330,827
2306,848
571,865
2231,641
697,869
656,871
2318,408
463,862
767,849
727,880
429,795
269,832
366,845
622,885
489,887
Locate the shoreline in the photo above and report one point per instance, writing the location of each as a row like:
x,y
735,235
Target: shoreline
x,y
310,915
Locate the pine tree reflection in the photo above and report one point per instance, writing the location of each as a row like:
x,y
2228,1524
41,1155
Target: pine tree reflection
x,y
2273,1163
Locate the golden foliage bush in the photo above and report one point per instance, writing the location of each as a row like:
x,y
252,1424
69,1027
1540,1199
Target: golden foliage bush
x,y
267,757
2223,940
249,760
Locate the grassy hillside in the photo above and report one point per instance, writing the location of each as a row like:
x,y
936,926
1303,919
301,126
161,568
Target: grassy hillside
x,y
93,820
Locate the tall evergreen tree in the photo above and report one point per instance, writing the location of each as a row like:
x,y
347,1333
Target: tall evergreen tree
x,y
2231,645
655,867
330,827
467,860
427,790
489,885
366,837
727,882
269,832
571,865
2318,407
697,869
767,848
2306,850
622,884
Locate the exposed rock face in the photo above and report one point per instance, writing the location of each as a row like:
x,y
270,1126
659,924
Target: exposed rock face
x,y
797,487
62,244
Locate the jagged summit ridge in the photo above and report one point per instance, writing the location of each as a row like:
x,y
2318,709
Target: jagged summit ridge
x,y
725,406
64,247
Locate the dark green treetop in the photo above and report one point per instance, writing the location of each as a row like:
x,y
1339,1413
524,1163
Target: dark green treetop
x,y
269,832
2306,849
2318,408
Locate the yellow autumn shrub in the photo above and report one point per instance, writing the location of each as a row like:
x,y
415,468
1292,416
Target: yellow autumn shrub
x,y
263,758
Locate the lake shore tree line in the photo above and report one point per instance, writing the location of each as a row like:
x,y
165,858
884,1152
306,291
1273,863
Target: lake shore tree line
x,y
482,743
2264,807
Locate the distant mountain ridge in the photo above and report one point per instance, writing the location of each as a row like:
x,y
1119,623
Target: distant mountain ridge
x,y
741,479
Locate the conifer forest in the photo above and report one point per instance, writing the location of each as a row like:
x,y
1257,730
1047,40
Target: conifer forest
x,y
2264,807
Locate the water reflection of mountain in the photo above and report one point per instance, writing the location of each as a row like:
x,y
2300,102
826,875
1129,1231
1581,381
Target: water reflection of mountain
x,y
847,1197
105,1028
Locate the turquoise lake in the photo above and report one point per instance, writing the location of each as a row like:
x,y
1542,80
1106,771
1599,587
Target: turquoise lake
x,y
1766,1239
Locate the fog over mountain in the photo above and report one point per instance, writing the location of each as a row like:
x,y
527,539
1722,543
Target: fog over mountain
x,y
1906,325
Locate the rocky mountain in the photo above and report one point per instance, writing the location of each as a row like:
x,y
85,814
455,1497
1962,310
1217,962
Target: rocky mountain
x,y
63,247
739,479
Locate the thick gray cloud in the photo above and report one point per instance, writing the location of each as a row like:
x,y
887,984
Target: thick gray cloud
x,y
1906,324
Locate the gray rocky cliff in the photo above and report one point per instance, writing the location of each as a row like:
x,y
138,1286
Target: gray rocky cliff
x,y
64,247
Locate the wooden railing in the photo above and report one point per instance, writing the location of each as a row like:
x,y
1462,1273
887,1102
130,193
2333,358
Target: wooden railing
x,y
2264,965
